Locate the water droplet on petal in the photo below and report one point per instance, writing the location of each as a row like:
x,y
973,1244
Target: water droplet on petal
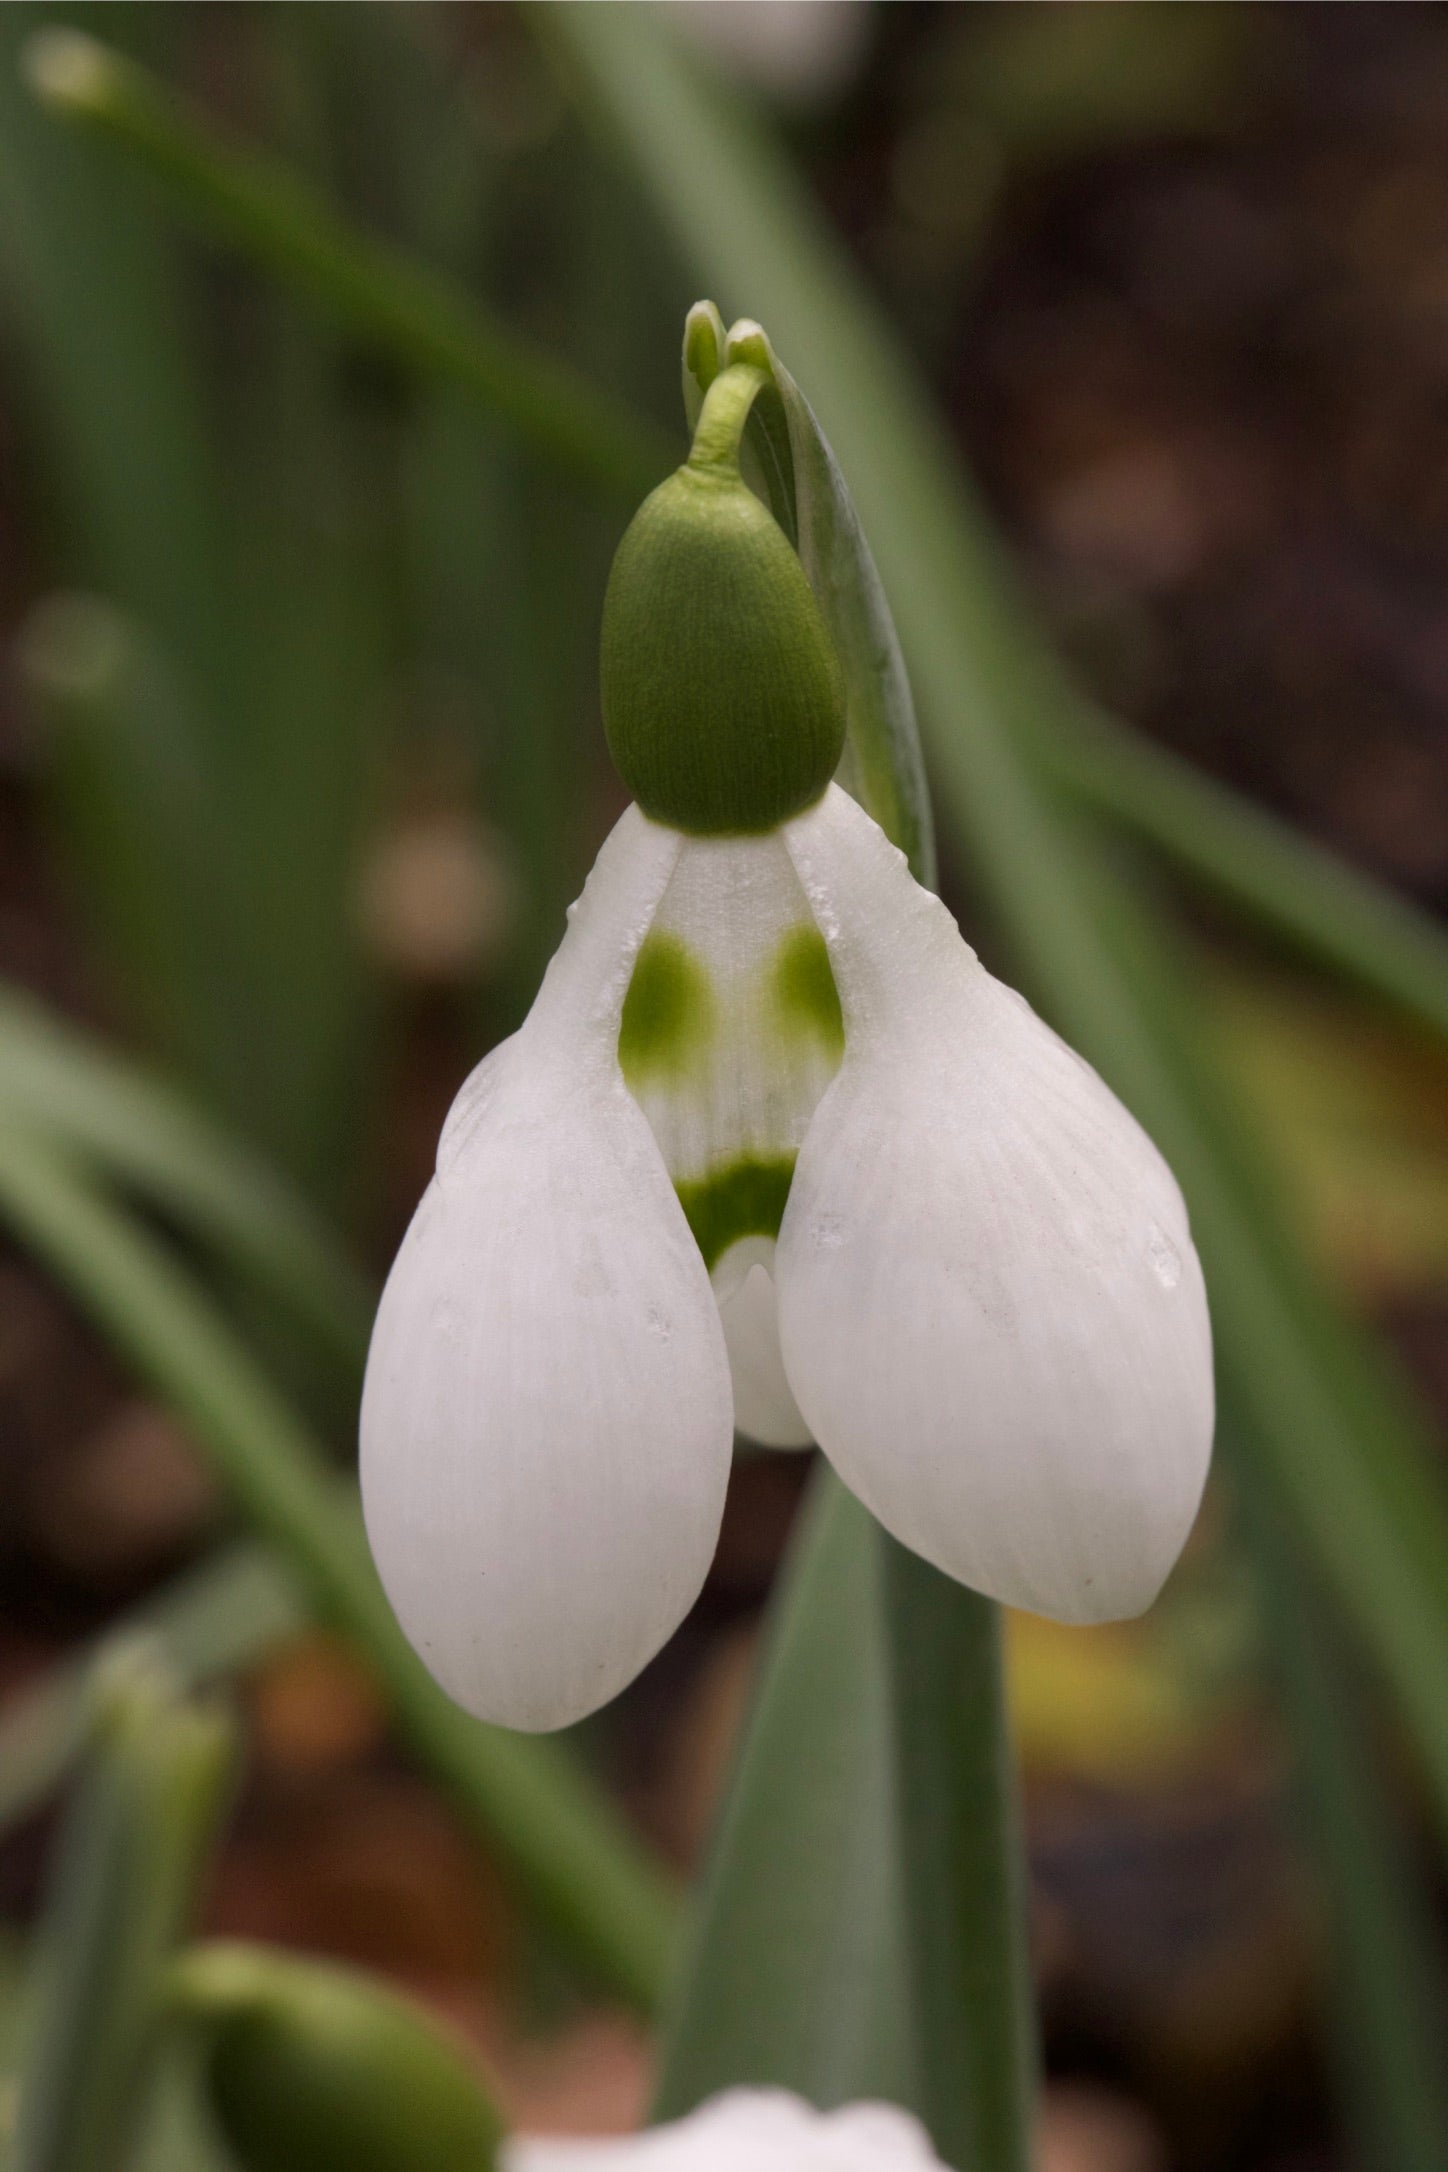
x,y
1166,1260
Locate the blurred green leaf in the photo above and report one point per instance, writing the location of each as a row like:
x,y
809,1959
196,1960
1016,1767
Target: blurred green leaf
x,y
210,750
796,1973
1261,867
121,1890
1386,1982
1340,918
206,1624
150,1139
257,203
1325,1414
962,1848
122,753
89,293
570,1851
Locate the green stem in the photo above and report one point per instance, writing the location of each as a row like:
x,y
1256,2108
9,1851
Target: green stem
x,y
570,1851
257,203
131,1853
962,1850
719,432
796,1974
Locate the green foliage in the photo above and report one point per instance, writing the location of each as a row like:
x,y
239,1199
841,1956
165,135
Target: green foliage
x,y
578,1864
122,1891
796,1973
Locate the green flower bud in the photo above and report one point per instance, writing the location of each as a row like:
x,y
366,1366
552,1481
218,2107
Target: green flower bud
x,y
312,2068
723,701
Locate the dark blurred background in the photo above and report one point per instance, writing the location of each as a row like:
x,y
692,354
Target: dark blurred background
x,y
1180,280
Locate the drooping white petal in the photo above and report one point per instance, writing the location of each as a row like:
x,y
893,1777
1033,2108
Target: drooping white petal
x,y
730,1034
546,1418
764,1406
745,2130
991,1312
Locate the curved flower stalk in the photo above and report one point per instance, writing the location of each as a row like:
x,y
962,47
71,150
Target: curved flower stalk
x,y
745,2130
772,1152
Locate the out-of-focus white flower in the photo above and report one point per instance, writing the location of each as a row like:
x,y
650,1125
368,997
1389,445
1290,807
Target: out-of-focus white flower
x,y
746,2130
773,1151
802,52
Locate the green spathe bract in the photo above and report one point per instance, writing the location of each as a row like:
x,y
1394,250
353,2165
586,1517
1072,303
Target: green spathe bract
x,y
722,699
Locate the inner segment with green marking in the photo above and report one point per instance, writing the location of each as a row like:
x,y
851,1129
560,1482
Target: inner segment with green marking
x,y
668,1013
743,1198
730,1034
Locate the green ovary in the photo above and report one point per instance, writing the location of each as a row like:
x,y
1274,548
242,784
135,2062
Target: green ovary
x,y
668,1013
806,999
743,1198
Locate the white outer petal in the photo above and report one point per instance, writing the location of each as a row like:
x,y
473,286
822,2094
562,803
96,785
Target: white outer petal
x,y
745,2130
546,1421
991,1312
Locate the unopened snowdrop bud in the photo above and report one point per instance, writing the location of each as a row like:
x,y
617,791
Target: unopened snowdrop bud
x,y
746,2130
722,700
313,2068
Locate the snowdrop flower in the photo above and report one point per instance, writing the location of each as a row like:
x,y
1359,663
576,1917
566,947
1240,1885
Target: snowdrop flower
x,y
772,1151
746,2130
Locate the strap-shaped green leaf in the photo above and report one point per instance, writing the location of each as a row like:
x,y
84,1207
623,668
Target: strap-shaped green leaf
x,y
796,1973
1387,1993
122,1889
211,1621
569,1849
151,1140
